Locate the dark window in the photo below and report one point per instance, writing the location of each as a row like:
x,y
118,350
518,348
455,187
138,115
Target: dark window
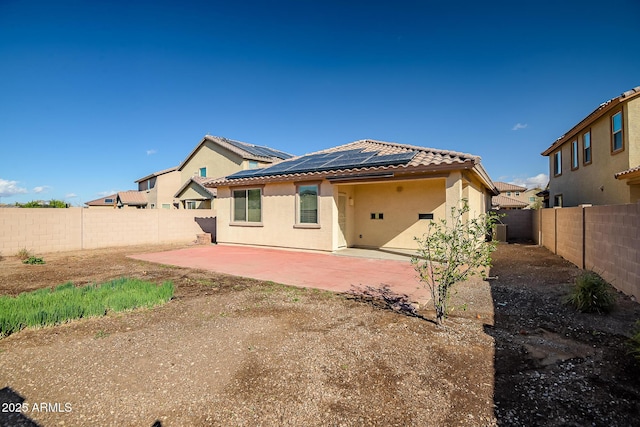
x,y
425,216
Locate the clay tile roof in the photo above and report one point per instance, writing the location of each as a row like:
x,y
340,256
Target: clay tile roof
x,y
102,201
505,186
133,197
629,173
507,202
199,181
384,157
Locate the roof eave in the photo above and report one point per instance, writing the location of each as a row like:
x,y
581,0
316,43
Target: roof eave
x,y
602,109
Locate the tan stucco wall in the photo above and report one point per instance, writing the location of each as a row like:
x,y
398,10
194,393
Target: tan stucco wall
x,y
278,220
165,187
400,203
55,230
218,161
595,183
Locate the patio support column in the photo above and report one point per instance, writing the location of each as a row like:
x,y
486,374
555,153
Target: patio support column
x,y
453,193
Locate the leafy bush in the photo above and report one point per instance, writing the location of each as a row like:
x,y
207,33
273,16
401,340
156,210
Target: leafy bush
x,y
33,260
591,294
50,307
23,254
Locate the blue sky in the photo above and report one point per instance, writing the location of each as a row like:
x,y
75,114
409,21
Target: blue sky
x,y
96,94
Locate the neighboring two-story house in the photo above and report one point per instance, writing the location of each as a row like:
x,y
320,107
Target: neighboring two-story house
x,y
515,197
598,160
159,188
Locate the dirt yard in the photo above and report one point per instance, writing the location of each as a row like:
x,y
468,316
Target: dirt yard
x,y
233,351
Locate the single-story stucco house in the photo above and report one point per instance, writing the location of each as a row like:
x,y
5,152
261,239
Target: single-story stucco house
x,y
367,193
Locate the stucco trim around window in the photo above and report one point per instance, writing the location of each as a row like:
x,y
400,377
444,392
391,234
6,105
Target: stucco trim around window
x,y
587,148
575,155
617,132
246,206
557,163
307,204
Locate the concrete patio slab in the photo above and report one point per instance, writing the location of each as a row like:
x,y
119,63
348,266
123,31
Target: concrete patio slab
x,y
297,268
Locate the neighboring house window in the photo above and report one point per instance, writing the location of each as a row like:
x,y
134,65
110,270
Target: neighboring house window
x,y
190,204
557,163
586,148
509,193
253,164
308,204
108,200
203,172
166,206
247,205
517,193
532,199
557,200
574,155
616,132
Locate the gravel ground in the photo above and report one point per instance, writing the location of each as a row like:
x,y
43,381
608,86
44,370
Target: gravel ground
x,y
232,351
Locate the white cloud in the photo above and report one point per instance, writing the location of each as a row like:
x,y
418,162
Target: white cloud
x,y
10,188
539,181
70,195
519,126
41,189
106,193
150,152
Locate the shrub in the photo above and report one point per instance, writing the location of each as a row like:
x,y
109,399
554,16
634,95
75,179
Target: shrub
x,y
591,294
33,260
23,254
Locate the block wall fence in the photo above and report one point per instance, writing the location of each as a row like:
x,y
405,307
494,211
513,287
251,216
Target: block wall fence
x,y
605,239
55,230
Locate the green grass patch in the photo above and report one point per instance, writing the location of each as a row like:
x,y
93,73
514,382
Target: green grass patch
x,y
66,302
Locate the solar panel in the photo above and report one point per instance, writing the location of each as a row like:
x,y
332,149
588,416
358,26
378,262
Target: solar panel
x,y
326,162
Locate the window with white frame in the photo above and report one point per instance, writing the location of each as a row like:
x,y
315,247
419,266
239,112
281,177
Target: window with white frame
x,y
247,205
308,204
203,172
190,204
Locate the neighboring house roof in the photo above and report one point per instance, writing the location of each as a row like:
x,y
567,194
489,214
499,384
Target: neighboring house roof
x,y
361,159
245,150
197,181
629,173
504,186
507,202
132,198
162,172
102,201
595,114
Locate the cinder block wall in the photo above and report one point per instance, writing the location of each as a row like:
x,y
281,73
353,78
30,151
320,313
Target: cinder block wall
x,y
53,230
518,223
608,240
56,230
569,242
548,228
612,245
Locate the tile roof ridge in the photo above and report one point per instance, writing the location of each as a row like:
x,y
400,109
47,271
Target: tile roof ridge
x,y
451,153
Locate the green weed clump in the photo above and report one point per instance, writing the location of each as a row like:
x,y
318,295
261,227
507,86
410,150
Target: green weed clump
x,y
33,260
591,294
66,302
23,254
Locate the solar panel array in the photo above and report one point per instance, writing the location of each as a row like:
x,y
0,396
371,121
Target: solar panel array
x,y
258,150
328,161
